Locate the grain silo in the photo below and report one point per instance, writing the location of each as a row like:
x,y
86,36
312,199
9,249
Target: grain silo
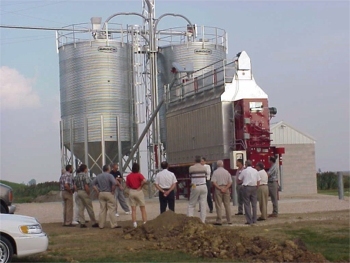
x,y
96,94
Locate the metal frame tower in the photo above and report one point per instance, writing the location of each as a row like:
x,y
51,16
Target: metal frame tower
x,y
151,87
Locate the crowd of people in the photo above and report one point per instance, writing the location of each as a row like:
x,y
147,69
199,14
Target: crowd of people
x,y
109,188
252,186
256,185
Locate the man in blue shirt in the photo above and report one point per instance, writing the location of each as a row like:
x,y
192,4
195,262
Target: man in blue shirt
x,y
105,184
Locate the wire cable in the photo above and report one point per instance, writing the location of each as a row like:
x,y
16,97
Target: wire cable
x,y
45,28
19,14
23,37
23,41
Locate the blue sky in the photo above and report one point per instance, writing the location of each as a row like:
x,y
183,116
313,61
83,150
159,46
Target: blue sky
x,y
299,52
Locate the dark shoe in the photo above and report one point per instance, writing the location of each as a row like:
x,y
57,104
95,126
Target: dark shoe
x,y
239,214
246,223
229,223
273,215
260,219
83,226
217,224
95,225
116,227
211,211
70,225
199,210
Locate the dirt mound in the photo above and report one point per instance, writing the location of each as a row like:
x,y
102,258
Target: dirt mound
x,y
52,196
178,232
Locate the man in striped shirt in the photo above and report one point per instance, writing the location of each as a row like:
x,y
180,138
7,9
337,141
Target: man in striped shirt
x,y
82,183
67,189
198,188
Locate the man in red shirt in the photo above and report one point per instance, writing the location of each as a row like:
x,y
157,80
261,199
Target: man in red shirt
x,y
135,181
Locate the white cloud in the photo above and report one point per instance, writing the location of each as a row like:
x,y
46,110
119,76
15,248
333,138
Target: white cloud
x,y
16,90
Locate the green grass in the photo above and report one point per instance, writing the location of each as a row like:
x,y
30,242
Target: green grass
x,y
137,256
39,258
333,192
158,256
332,243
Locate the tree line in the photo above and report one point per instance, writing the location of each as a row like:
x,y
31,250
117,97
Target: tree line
x,y
329,181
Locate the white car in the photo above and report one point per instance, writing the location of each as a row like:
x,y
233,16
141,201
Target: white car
x,y
21,236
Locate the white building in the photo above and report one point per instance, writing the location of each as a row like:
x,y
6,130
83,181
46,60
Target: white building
x,y
299,164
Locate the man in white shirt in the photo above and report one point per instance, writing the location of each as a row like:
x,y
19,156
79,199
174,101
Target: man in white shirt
x,y
250,181
166,183
263,191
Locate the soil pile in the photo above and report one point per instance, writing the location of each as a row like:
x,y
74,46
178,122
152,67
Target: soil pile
x,y
177,232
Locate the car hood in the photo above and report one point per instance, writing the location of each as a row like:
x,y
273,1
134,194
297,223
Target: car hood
x,y
5,186
18,218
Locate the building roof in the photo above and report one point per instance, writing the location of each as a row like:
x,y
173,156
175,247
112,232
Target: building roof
x,y
283,133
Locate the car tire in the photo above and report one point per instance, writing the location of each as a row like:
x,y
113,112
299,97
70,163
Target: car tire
x,y
6,250
3,211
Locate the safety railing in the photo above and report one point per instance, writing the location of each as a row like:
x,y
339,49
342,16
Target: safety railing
x,y
209,77
83,32
182,35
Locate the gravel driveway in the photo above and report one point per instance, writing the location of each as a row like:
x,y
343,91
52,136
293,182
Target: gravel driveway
x,y
52,212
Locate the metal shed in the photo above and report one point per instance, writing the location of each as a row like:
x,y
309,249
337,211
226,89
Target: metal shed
x,y
299,164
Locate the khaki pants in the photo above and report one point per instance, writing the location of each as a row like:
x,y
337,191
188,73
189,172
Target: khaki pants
x,y
67,199
76,205
199,192
136,197
219,199
107,203
263,195
273,188
85,202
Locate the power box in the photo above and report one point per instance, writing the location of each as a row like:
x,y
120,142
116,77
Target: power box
x,y
235,155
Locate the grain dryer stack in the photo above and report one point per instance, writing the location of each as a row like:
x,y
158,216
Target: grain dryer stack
x,y
95,89
189,57
223,115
